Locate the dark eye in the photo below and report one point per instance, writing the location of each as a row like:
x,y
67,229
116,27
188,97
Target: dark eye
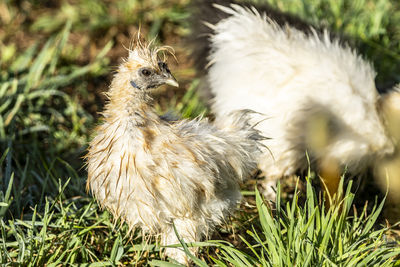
x,y
146,72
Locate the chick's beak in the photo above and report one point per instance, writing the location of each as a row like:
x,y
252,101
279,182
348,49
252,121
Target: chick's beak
x,y
172,81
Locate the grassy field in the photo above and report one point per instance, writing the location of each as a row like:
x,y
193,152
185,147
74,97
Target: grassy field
x,y
56,60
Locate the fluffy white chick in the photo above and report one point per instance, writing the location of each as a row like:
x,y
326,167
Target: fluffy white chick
x,y
294,77
152,173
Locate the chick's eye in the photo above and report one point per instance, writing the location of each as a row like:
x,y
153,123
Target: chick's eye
x,y
146,72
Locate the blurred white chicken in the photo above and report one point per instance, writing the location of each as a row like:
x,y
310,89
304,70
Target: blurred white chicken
x,y
154,174
295,78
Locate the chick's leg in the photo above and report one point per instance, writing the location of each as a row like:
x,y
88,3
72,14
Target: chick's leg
x,y
189,231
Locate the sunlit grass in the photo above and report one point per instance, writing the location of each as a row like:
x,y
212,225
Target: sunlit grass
x,y
308,234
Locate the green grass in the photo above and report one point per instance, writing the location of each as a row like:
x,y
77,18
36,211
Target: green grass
x,y
55,62
309,234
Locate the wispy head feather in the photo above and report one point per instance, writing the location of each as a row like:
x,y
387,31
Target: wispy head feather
x,y
143,53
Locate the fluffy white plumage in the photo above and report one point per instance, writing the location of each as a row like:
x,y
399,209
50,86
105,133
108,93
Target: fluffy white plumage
x,y
152,173
292,77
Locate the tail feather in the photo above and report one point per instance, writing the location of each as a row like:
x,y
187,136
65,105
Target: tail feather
x,y
243,120
245,138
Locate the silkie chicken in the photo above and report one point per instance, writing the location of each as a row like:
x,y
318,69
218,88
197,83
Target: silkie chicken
x,y
294,77
156,174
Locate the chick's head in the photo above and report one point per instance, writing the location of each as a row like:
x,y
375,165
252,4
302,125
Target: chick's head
x,y
144,69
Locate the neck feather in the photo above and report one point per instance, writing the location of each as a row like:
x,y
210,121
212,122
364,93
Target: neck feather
x,y
126,102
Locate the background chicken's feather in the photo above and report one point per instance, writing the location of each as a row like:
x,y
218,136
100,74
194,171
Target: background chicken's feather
x,y
296,77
